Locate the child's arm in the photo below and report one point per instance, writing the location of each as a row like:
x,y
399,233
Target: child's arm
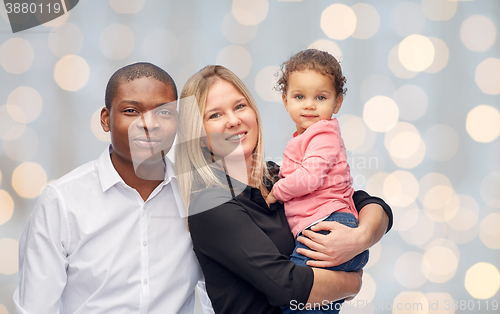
x,y
270,199
42,257
321,154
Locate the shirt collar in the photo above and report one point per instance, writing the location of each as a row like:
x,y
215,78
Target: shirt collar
x,y
109,176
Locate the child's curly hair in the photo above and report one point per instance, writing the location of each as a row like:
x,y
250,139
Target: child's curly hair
x,y
313,59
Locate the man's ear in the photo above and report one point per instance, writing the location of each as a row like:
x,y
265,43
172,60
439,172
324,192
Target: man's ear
x,y
338,103
105,114
285,102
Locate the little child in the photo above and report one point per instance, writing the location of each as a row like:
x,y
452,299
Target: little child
x,y
315,183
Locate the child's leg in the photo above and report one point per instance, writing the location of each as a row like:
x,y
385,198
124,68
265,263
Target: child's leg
x,y
355,264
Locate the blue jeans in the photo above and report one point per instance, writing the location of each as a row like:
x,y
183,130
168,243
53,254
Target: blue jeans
x,y
355,264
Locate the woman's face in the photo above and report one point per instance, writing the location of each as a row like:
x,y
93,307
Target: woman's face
x,y
229,120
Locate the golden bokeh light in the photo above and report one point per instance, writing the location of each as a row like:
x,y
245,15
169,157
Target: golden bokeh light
x,y
410,302
16,55
10,130
412,102
72,73
439,264
483,123
160,47
117,41
368,21
439,303
439,10
3,309
338,21
24,147
236,59
416,52
405,146
396,67
478,33
490,186
58,21
127,6
380,113
9,263
96,128
353,131
368,289
375,252
405,217
236,32
431,180
421,232
400,188
28,179
461,213
441,142
375,184
28,102
489,232
441,55
407,18
482,280
250,12
6,207
488,76
329,46
66,39
265,82
408,270
461,236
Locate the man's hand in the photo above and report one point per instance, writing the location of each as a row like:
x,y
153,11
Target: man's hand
x,y
335,248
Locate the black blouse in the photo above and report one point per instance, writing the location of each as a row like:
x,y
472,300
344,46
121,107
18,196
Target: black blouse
x,y
243,247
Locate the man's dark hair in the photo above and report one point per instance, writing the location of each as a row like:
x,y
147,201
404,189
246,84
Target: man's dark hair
x,y
135,71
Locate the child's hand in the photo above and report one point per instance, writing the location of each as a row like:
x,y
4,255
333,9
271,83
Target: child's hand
x,y
270,199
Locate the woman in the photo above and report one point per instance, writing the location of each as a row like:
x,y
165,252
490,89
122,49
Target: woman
x,y
242,244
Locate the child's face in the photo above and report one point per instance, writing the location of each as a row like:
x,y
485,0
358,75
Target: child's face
x,y
142,120
310,97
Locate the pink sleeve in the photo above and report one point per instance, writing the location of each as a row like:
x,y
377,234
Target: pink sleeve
x,y
322,148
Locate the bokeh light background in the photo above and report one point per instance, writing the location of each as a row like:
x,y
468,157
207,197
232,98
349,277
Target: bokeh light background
x,y
421,118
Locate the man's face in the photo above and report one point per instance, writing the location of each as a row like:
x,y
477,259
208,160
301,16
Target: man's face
x,y
142,121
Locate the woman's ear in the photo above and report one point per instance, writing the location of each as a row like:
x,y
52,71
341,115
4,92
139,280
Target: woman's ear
x,y
338,103
105,117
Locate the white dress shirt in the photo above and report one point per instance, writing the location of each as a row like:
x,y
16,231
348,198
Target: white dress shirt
x,y
92,245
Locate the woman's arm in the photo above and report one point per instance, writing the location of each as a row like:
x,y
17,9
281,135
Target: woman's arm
x,y
343,243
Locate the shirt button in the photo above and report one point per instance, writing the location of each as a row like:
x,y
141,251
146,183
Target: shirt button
x,y
145,281
145,243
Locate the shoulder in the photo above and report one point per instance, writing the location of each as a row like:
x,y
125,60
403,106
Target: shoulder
x,y
75,176
322,128
207,199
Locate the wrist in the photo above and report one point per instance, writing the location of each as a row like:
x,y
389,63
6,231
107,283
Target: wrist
x,y
364,238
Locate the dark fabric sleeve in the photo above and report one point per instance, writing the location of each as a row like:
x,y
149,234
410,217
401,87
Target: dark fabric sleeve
x,y
229,236
361,199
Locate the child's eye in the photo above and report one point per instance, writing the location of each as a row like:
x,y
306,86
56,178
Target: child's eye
x,y
321,97
299,97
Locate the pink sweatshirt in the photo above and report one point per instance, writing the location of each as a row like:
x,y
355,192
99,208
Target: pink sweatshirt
x,y
315,180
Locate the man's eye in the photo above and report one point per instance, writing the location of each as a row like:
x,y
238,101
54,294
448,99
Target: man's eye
x,y
130,111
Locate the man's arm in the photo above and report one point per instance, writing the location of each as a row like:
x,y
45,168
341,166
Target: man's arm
x,y
42,257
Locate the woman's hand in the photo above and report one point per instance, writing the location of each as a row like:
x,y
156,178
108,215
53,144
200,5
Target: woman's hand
x,y
334,285
343,243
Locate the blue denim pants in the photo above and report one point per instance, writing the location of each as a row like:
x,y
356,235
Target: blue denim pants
x,y
355,264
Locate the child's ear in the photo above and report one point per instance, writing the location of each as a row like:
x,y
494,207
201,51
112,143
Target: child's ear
x,y
338,103
105,119
283,96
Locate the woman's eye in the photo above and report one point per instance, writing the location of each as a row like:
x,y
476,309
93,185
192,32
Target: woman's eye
x,y
165,112
215,115
240,106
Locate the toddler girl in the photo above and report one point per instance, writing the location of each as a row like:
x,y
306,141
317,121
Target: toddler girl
x,y
315,183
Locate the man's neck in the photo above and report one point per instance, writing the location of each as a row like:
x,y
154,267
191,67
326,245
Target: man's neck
x,y
140,179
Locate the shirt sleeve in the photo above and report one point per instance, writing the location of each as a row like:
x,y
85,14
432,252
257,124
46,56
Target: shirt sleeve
x,y
361,199
42,257
320,154
228,235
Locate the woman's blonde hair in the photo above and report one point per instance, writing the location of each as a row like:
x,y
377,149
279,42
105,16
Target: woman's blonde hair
x,y
194,164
